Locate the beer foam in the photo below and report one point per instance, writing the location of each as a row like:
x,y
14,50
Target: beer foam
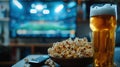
x,y
105,9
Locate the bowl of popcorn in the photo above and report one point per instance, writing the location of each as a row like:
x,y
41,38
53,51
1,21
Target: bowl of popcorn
x,y
72,52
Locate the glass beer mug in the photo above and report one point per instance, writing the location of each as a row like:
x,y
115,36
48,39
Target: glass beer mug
x,y
103,26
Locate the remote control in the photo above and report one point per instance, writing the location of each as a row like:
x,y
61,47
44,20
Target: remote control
x,y
38,61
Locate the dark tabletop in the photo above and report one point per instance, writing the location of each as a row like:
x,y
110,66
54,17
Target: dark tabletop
x,y
22,63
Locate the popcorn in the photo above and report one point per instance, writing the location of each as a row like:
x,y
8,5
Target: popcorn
x,y
50,62
77,48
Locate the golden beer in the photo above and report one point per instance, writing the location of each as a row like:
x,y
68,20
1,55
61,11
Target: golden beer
x,y
103,36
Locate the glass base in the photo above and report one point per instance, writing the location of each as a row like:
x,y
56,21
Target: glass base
x,y
91,65
115,65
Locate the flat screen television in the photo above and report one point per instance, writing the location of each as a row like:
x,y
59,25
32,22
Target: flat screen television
x,y
39,18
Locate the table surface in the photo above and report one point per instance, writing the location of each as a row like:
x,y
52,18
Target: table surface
x,y
21,63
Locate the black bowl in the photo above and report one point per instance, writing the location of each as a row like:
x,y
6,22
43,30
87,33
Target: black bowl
x,y
73,62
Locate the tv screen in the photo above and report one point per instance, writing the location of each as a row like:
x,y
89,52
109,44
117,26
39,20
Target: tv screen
x,y
42,18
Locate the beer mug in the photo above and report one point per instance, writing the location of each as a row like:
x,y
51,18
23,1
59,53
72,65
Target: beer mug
x,y
103,26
